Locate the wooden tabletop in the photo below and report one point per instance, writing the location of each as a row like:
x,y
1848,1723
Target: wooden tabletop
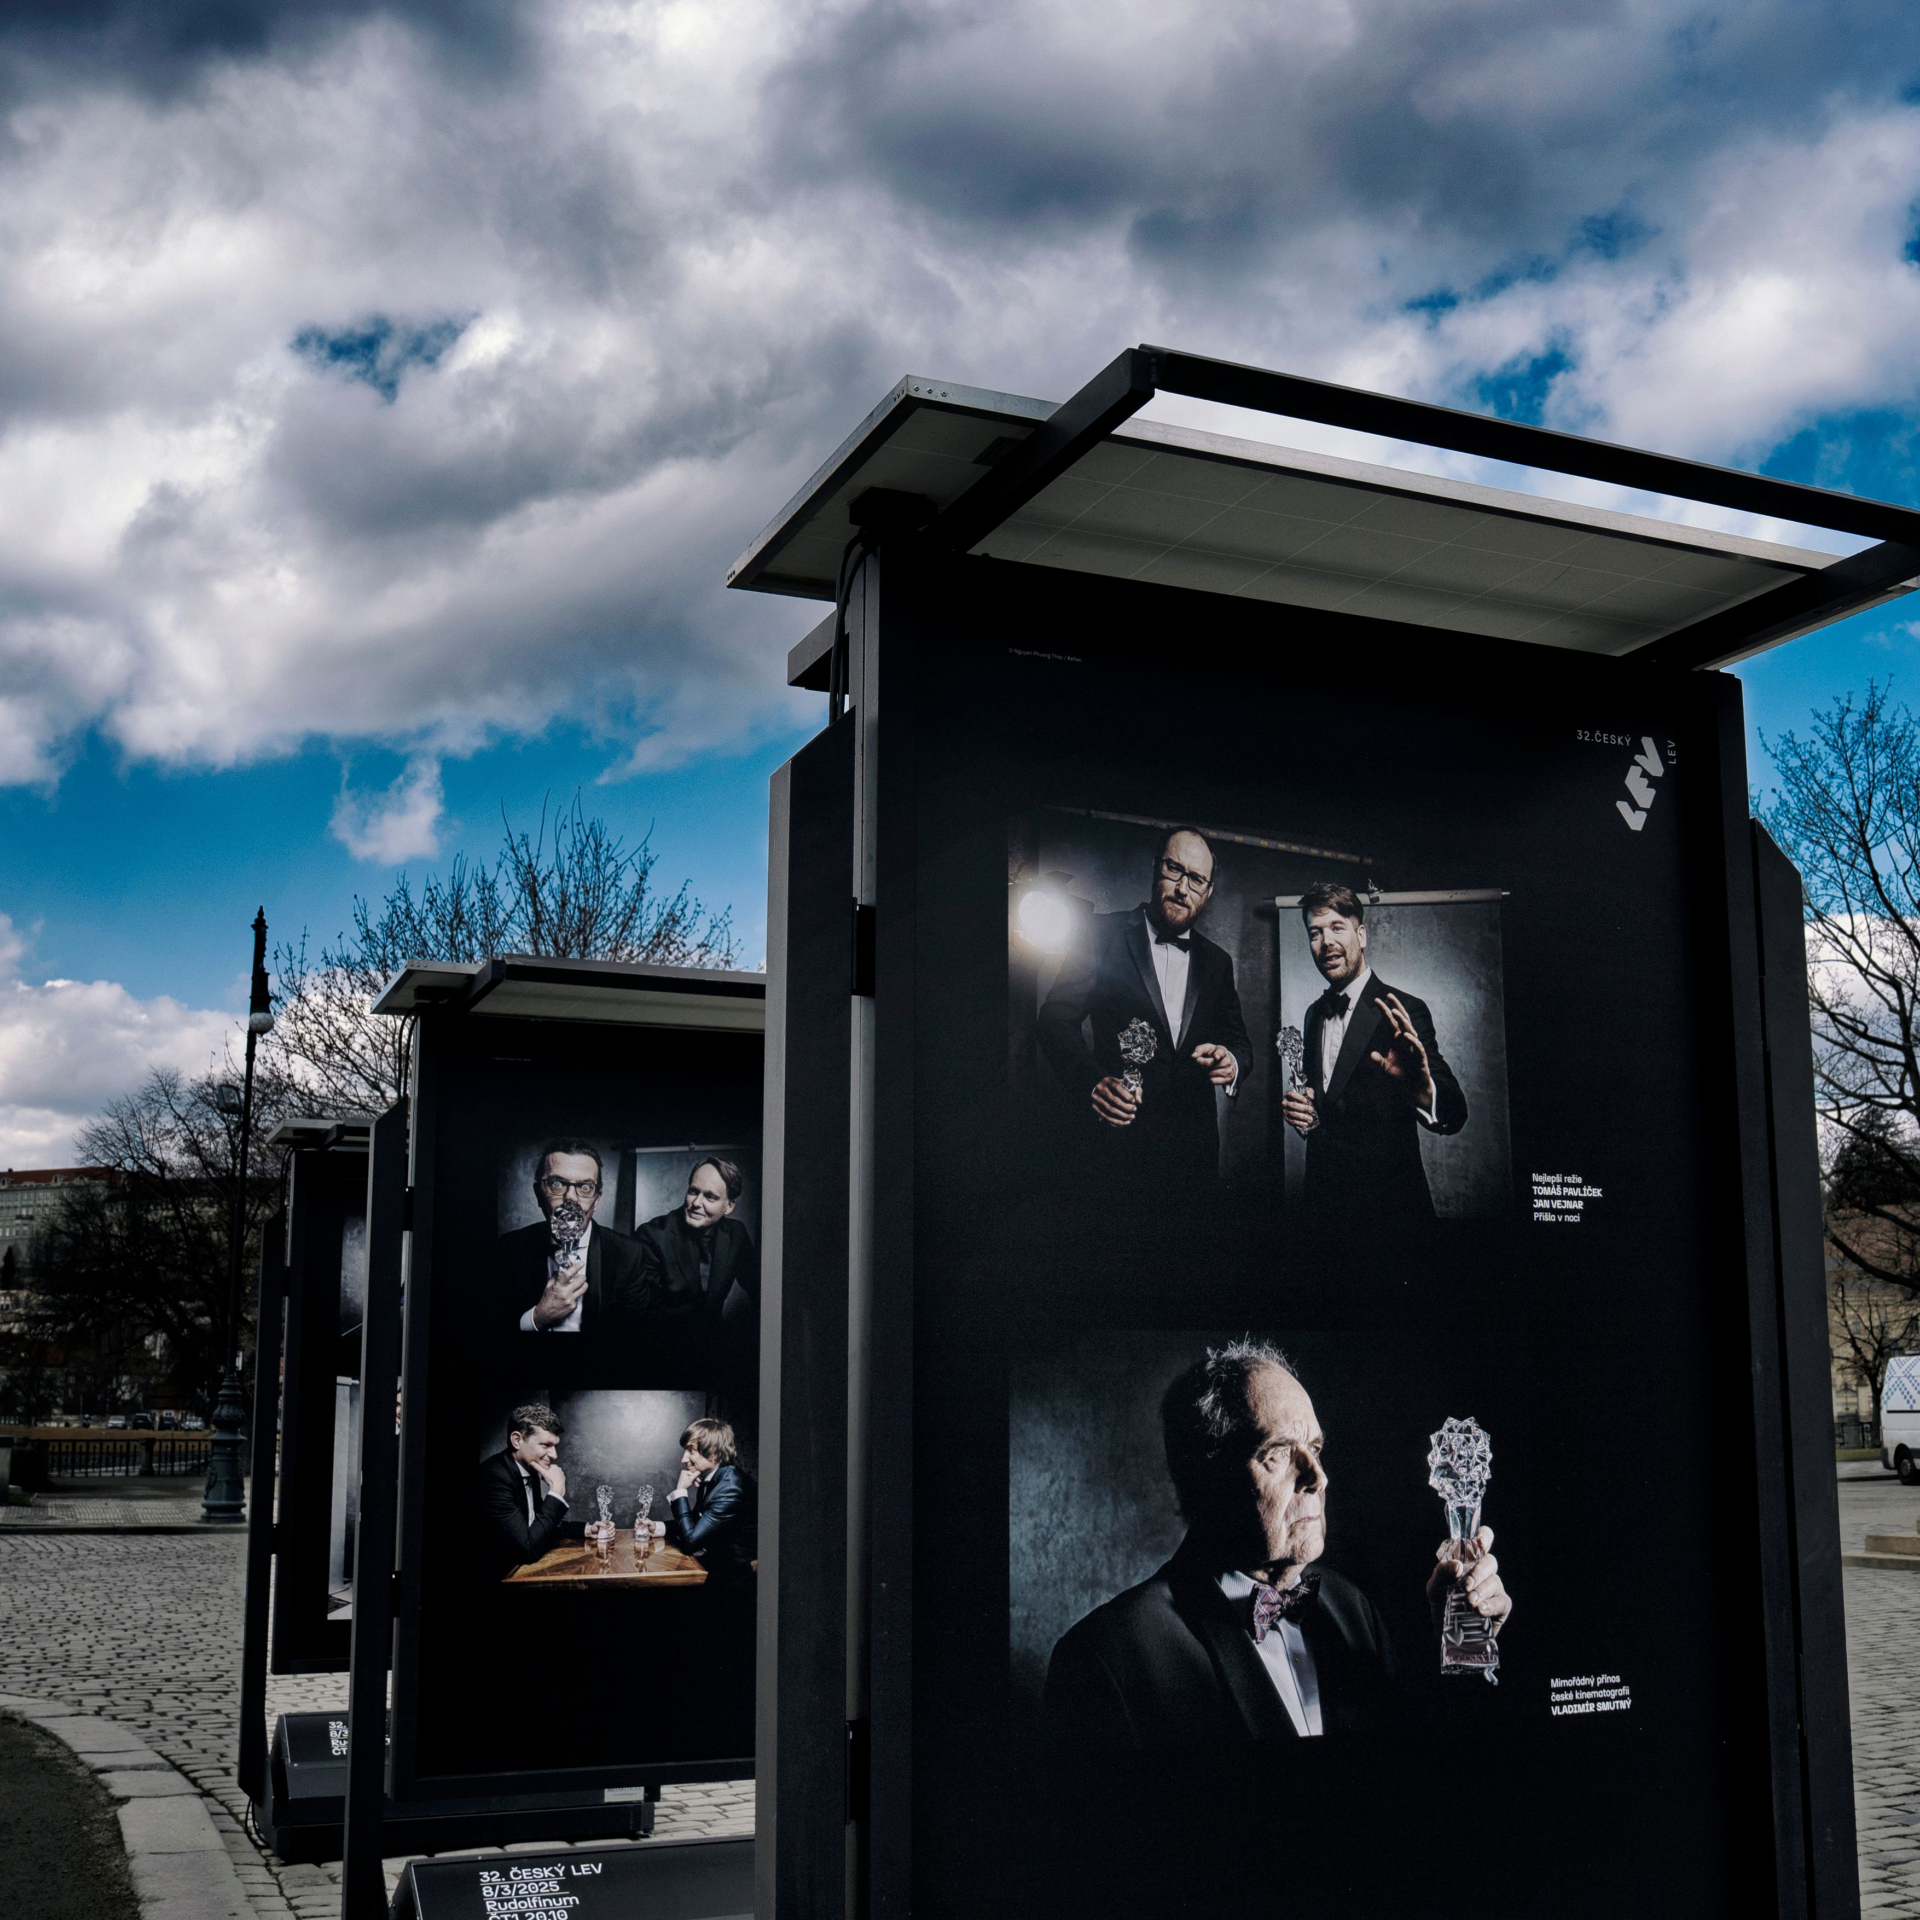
x,y
576,1564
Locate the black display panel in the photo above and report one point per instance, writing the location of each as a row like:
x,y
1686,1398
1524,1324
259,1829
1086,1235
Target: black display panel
x,y
1440,1121
580,1418
320,1409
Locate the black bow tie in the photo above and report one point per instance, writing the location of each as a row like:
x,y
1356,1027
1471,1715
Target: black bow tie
x,y
1335,1002
1183,941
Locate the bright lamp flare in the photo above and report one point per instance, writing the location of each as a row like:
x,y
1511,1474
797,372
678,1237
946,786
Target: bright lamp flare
x,y
1046,921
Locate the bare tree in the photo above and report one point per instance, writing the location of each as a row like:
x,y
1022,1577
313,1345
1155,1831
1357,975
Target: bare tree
x,y
577,891
1846,811
132,1275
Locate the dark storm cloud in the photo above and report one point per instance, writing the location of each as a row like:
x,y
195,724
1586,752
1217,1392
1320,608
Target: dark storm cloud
x,y
1466,128
158,49
414,371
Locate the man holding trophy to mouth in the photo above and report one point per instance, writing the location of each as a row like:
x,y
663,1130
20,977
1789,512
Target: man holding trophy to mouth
x,y
1145,1024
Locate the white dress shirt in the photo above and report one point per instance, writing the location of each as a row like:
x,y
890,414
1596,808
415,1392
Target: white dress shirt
x,y
1285,1655
1171,966
571,1324
1333,1029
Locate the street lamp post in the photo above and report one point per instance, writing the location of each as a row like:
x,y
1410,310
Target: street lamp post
x,y
225,1497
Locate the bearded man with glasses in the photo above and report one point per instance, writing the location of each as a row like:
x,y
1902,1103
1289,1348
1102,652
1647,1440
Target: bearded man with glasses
x,y
1144,1025
566,1273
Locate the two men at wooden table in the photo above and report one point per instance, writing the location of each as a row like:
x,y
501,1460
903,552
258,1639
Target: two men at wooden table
x,y
711,1511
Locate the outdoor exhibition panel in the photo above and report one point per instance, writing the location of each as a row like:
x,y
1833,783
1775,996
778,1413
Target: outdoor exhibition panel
x,y
575,1600
320,1408
1327,1096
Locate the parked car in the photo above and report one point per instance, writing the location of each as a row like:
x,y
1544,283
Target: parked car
x,y
193,1424
1900,1418
143,1421
167,1422
116,1422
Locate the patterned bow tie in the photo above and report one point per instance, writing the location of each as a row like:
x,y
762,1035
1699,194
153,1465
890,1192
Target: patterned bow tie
x,y
1271,1605
1335,1002
1183,941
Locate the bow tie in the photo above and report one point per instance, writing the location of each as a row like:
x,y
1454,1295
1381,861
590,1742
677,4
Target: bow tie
x,y
1271,1605
1335,1002
1183,941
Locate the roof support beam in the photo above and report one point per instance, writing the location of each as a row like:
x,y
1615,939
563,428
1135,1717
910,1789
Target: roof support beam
x,y
1813,600
1541,447
1074,428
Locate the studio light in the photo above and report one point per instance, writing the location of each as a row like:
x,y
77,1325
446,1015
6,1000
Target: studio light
x,y
1046,920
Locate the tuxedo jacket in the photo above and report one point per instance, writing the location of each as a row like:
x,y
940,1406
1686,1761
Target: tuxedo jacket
x,y
613,1265
1112,984
512,1539
719,1524
667,1292
1170,1663
1363,1159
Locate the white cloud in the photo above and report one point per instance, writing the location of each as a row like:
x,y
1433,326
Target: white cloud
x,y
401,824
67,1047
689,244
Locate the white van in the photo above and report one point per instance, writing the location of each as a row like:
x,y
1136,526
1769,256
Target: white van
x,y
1900,1418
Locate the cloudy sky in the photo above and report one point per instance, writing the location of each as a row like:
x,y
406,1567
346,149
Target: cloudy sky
x,y
384,389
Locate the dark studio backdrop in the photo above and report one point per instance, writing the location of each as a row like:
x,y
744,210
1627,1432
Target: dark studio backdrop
x,y
487,1693
1602,1343
618,1440
1449,955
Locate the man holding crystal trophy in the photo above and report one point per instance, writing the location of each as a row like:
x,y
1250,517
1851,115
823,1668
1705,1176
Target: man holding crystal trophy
x,y
1143,1024
1243,1635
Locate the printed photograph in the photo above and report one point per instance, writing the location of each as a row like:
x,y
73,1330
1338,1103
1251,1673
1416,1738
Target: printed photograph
x,y
645,1247
647,1491
1195,1007
1224,1538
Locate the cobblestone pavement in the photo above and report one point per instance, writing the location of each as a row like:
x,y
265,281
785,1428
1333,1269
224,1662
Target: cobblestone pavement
x,y
145,1629
1883,1680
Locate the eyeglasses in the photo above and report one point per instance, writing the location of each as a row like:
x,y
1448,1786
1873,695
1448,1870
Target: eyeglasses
x,y
555,1188
1184,877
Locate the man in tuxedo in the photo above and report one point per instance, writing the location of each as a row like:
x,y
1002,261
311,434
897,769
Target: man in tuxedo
x,y
566,1273
523,1490
1242,1636
689,1262
1375,1078
713,1511
1156,1000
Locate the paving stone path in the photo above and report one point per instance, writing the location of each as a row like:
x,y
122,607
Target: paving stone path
x,y
1883,1680
145,1629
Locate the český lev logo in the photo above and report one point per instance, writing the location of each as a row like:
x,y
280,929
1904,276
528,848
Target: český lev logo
x,y
1647,767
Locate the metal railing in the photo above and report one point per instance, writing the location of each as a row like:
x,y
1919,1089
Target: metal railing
x,y
120,1456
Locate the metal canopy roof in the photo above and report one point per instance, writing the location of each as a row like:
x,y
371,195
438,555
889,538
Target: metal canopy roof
x,y
347,1132
1104,493
532,987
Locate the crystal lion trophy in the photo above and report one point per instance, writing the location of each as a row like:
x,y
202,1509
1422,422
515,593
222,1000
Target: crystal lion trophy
x,y
603,1527
1291,1045
1459,1466
1137,1046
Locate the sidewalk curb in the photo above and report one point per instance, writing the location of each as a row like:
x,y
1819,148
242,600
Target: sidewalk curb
x,y
179,1862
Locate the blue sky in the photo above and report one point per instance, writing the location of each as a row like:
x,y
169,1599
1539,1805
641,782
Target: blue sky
x,y
385,385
